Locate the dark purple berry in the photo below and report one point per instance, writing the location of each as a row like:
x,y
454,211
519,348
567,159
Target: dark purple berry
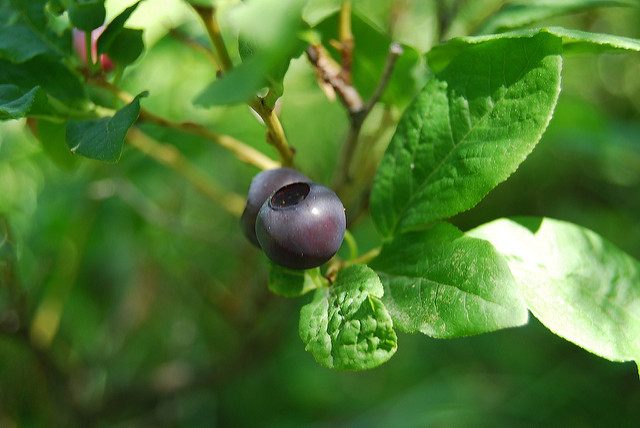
x,y
301,226
262,186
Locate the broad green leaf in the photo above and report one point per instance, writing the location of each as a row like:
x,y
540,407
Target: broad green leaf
x,y
580,286
114,28
573,41
58,81
126,46
293,283
271,28
274,78
316,11
236,86
23,31
19,40
103,138
519,13
16,102
346,326
441,283
415,25
469,128
87,15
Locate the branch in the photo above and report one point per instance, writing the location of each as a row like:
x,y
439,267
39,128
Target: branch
x,y
330,72
346,41
275,132
357,118
208,17
395,50
242,151
171,157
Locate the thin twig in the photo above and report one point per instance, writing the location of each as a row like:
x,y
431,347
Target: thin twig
x,y
395,50
364,258
339,77
346,41
171,157
208,17
275,132
330,72
242,151
358,117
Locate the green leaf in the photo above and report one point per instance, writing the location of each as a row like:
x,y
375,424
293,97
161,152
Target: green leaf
x,y
271,28
114,28
274,77
56,7
126,46
23,31
346,326
293,283
87,15
58,81
441,283
519,13
573,41
317,11
467,131
236,86
580,286
103,138
16,102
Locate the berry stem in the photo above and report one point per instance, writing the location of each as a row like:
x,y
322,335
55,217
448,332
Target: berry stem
x,y
318,280
363,259
275,132
352,244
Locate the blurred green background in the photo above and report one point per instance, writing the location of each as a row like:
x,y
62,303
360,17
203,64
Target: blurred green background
x,y
146,306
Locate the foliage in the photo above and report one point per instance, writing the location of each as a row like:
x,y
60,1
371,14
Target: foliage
x,y
127,291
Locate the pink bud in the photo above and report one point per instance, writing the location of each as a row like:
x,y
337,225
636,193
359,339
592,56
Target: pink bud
x,y
79,45
106,62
